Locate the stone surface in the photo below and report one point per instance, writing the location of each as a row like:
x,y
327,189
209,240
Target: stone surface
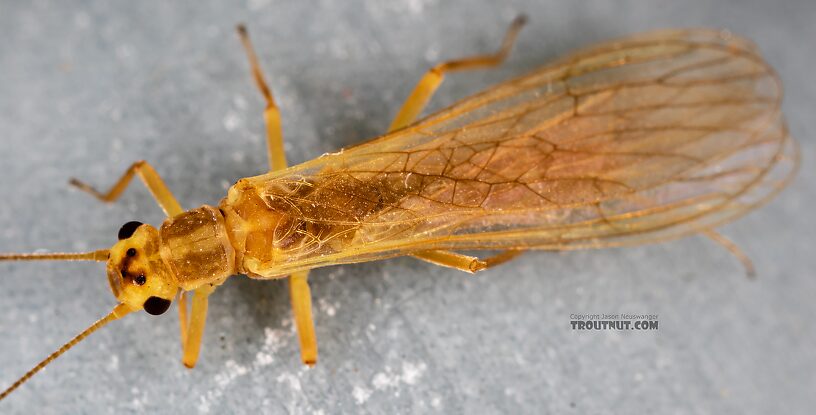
x,y
85,89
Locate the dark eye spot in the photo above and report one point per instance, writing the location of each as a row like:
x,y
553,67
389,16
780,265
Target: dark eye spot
x,y
131,252
126,231
140,279
156,305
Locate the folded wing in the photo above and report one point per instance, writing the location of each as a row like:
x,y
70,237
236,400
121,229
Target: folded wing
x,y
648,138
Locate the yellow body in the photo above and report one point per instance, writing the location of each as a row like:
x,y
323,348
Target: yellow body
x,y
640,140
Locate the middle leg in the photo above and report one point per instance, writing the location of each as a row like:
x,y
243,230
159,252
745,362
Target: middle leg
x,y
299,291
272,118
301,297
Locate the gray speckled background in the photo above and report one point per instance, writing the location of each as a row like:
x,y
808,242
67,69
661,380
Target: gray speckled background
x,y
88,88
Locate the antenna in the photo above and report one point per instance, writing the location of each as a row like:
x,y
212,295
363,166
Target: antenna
x,y
118,312
99,256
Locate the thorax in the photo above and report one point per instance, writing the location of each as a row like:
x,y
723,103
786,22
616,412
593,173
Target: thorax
x,y
196,246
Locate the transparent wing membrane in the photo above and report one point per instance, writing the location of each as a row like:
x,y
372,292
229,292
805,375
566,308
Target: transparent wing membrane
x,y
633,141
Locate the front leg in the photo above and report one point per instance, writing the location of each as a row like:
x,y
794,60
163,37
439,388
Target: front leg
x,y
192,330
149,177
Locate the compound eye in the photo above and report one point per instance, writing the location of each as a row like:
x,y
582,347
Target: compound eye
x,y
156,306
126,231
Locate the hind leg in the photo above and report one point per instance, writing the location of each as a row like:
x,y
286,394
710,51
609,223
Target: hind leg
x,y
734,249
416,102
465,263
428,84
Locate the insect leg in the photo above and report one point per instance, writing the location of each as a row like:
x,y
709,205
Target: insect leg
x,y
428,84
450,259
298,282
183,319
413,106
302,309
735,250
465,263
502,257
195,327
149,177
274,134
